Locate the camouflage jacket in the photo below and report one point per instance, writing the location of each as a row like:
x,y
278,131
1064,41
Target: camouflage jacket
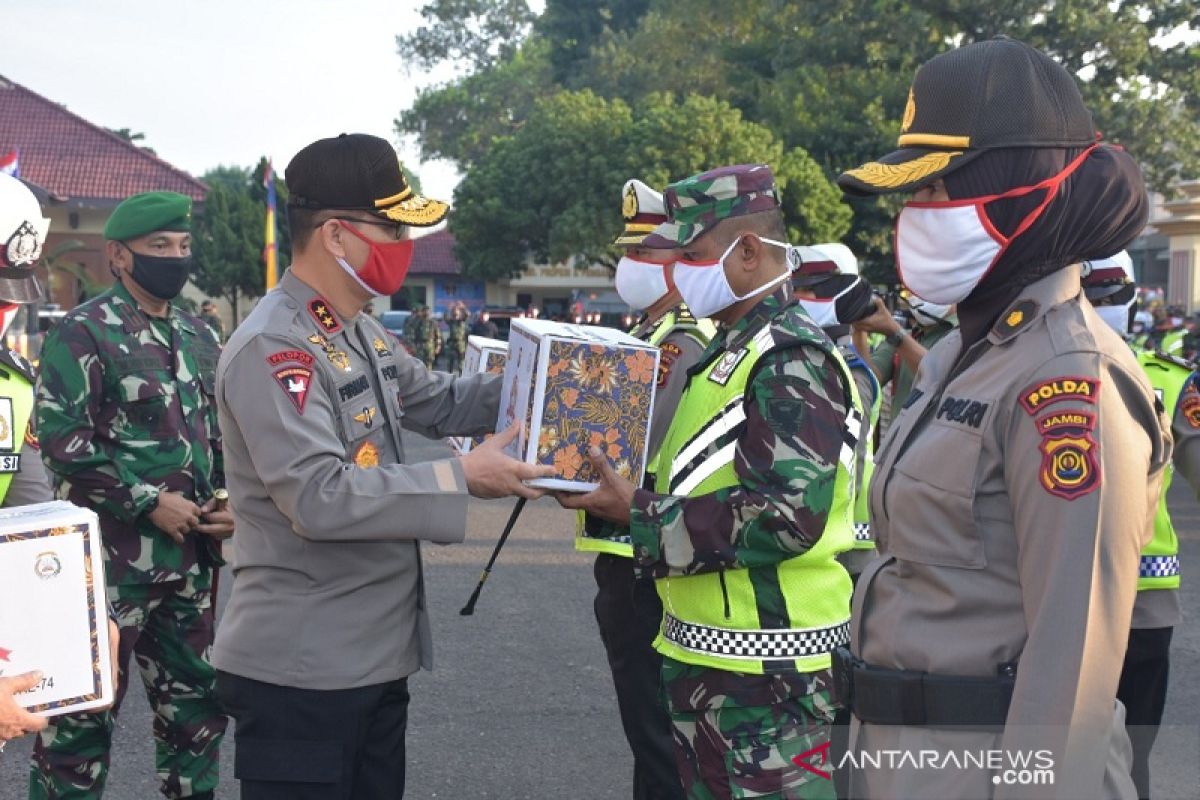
x,y
786,460
125,409
458,335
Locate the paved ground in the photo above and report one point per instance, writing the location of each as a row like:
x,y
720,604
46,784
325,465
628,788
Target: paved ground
x,y
520,704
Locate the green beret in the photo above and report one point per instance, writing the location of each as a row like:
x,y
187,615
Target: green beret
x,y
149,212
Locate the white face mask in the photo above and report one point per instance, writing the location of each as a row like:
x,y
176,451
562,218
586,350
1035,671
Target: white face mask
x,y
945,249
942,253
641,284
706,290
847,306
1116,317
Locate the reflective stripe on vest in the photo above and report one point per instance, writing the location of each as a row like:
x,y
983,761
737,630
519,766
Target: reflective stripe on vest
x,y
1160,562
620,544
1159,567
864,539
712,619
762,645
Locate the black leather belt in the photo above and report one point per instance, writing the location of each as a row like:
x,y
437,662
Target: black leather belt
x,y
902,697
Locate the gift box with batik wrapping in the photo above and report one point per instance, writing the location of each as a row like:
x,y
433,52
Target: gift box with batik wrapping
x,y
483,355
576,387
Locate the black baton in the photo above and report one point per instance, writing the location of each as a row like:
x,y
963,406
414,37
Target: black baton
x,y
469,608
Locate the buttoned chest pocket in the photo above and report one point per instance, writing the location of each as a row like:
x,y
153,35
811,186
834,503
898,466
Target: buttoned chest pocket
x,y
930,493
148,407
363,423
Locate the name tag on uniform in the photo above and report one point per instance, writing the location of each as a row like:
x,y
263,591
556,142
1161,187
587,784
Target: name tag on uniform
x,y
9,463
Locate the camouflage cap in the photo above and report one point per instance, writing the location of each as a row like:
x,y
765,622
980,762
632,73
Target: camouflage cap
x,y
696,204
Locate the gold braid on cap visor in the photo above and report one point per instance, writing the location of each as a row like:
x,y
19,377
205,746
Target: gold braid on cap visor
x,y
418,211
890,176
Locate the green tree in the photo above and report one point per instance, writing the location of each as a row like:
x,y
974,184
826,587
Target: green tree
x,y
229,236
474,32
552,190
832,76
459,121
573,27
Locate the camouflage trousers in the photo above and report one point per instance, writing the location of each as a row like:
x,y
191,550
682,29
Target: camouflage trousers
x,y
750,736
168,628
454,359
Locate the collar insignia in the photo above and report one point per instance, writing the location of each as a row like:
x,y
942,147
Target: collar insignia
x,y
320,311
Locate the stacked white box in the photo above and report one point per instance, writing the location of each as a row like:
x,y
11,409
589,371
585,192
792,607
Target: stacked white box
x,y
483,355
54,606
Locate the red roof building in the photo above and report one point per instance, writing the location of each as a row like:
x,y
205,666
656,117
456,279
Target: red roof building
x,y
79,171
434,255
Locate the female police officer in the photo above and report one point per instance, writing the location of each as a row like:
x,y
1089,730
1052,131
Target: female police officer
x,y
1019,481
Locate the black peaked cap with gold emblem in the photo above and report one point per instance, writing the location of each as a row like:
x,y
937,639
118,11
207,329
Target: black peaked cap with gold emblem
x,y
358,172
984,96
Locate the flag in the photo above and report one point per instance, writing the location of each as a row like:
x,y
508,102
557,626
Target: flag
x,y
271,249
10,163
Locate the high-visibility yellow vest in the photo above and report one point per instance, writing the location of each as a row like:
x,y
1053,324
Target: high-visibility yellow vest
x,y
713,619
1160,558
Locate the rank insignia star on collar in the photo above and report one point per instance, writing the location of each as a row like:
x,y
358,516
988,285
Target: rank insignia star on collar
x,y
320,311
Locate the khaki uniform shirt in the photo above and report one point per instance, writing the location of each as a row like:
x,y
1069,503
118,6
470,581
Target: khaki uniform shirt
x,y
1010,501
327,589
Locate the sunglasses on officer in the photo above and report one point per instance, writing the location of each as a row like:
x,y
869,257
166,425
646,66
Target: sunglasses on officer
x,y
397,228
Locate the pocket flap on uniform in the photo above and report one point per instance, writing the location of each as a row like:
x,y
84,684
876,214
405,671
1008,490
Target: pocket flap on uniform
x,y
287,761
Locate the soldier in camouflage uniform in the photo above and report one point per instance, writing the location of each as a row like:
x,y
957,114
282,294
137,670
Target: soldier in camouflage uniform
x,y
412,332
429,334
128,422
456,320
751,505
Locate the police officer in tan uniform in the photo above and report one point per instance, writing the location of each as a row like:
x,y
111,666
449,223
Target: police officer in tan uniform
x,y
327,618
1018,483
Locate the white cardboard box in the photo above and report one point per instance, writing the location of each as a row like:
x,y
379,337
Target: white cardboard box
x,y
573,387
483,355
54,606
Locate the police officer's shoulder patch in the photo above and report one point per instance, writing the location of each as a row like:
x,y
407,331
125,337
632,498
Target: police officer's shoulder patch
x,y
1037,396
669,353
295,382
1070,454
1189,407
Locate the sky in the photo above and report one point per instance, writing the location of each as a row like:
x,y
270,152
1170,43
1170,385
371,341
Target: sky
x,y
220,82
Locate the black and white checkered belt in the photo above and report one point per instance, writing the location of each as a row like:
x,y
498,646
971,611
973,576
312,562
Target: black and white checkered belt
x,y
778,644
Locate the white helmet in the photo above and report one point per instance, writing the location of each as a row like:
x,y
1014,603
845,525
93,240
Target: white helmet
x,y
23,232
1109,284
812,264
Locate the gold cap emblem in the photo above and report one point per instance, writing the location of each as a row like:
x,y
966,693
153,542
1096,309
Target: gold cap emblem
x,y
629,206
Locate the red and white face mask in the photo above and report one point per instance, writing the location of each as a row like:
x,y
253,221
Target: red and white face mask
x,y
945,249
640,283
386,267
